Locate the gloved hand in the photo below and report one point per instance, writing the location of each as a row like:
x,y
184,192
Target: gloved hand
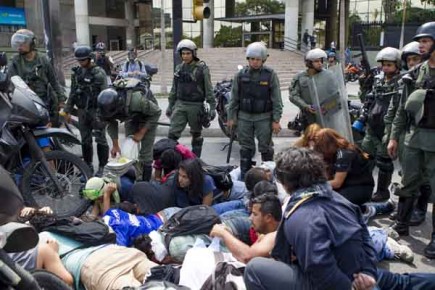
x,y
212,114
168,112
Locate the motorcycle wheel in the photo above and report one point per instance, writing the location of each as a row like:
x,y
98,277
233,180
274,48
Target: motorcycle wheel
x,y
39,190
64,145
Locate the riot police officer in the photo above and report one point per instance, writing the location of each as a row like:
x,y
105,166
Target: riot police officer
x,y
419,151
191,87
133,104
299,92
376,105
255,106
36,70
87,81
411,58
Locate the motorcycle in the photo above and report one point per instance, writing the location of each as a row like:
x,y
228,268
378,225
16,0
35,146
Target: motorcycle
x,y
53,178
222,93
352,73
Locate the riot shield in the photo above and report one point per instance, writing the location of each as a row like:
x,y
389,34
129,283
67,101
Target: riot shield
x,y
329,97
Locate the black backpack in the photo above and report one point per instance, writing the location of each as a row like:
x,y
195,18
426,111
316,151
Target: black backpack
x,y
191,220
226,276
220,174
91,233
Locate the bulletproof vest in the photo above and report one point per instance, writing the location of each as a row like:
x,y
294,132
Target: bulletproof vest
x,y
382,94
428,83
87,90
103,62
255,95
190,84
35,78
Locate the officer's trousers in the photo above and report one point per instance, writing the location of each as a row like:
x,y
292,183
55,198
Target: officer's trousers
x,y
247,131
418,165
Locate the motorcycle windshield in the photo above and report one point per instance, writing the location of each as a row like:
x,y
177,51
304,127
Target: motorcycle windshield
x,y
27,106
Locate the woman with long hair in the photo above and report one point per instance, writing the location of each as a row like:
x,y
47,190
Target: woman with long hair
x,y
349,169
307,138
193,186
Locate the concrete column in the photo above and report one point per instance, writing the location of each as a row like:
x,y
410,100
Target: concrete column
x,y
307,21
130,35
82,22
208,28
33,10
291,23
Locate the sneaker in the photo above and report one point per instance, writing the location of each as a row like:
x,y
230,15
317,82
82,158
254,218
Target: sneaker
x,y
369,213
391,233
401,252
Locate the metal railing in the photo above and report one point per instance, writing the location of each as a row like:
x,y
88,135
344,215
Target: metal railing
x,y
295,46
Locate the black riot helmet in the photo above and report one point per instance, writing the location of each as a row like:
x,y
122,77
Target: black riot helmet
x,y
426,30
83,52
108,103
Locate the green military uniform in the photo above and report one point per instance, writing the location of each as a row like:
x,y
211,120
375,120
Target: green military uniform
x,y
419,152
86,84
191,87
255,103
40,77
140,111
379,121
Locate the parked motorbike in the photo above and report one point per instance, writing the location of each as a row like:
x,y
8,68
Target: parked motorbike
x,y
222,93
352,73
53,178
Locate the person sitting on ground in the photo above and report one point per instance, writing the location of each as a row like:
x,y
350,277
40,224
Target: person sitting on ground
x,y
103,192
307,253
193,186
349,171
45,255
307,138
183,151
265,218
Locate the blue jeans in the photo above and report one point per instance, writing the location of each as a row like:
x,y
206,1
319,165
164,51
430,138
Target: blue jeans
x,y
239,226
263,273
228,206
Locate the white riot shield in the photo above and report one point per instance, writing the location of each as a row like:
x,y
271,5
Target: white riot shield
x,y
329,98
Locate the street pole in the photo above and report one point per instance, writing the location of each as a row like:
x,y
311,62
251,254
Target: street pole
x,y
163,88
342,32
177,28
53,36
402,32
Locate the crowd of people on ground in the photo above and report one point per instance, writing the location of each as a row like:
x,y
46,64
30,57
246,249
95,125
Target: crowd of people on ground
x,y
299,220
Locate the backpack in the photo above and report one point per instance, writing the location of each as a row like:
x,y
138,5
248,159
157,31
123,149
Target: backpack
x,y
128,64
191,220
161,146
220,174
91,233
226,276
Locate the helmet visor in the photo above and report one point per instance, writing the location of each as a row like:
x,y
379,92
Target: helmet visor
x,y
19,39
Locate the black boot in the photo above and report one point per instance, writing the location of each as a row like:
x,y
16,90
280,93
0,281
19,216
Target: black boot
x,y
419,213
245,162
429,251
267,156
147,171
103,158
197,142
404,212
88,156
384,180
